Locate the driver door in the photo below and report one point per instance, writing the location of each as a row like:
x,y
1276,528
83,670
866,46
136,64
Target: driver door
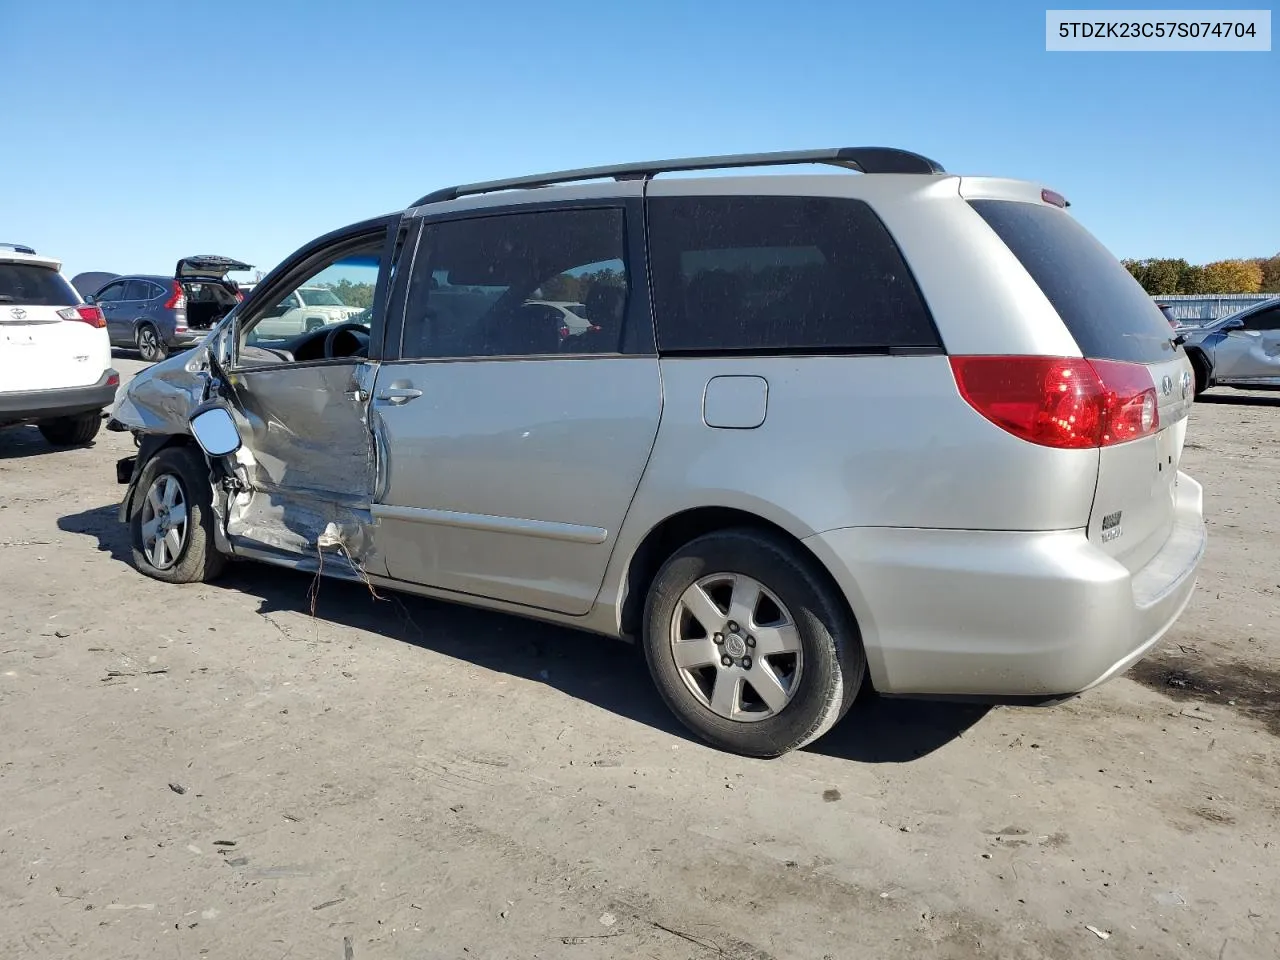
x,y
302,399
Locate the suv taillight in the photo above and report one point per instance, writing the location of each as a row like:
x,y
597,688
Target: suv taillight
x,y
85,313
176,297
1062,402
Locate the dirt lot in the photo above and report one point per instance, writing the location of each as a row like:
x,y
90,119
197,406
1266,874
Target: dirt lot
x,y
211,771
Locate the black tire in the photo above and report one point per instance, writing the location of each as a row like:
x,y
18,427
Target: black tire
x,y
833,659
150,344
72,431
1200,368
198,560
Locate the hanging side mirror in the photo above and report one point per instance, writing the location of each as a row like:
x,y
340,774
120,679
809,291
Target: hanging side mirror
x,y
215,430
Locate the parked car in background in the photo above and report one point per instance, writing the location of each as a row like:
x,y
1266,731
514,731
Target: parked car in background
x,y
55,361
1240,350
740,466
304,310
1167,310
158,314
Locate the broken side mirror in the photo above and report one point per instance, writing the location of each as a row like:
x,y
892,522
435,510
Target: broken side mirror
x,y
215,430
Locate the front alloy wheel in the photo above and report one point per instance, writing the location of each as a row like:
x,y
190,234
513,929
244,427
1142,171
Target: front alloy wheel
x,y
164,521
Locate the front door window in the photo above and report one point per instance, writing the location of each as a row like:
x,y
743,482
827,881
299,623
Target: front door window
x,y
324,315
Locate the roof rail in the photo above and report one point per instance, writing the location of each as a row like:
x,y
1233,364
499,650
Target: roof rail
x,y
862,159
18,248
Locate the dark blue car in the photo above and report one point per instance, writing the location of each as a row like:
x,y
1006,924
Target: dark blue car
x,y
157,314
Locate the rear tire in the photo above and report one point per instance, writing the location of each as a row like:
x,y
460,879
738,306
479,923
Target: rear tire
x,y
150,344
72,431
795,659
175,476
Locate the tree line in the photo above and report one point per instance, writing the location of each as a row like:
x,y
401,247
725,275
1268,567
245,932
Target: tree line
x,y
1163,277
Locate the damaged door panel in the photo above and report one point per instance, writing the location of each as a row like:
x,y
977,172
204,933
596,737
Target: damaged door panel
x,y
1250,353
309,458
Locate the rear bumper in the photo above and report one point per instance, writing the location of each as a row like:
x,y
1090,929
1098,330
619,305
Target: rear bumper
x,y
25,405
1009,614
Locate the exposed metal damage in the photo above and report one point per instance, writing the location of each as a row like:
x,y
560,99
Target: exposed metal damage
x,y
292,490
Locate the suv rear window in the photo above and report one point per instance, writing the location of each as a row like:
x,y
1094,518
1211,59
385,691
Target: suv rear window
x,y
1108,313
780,275
29,285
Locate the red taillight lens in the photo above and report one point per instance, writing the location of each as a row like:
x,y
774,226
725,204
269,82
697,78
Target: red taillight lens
x,y
1062,402
85,313
564,333
176,297
239,296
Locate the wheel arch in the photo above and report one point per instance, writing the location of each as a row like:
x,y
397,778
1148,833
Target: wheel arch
x,y
148,448
678,529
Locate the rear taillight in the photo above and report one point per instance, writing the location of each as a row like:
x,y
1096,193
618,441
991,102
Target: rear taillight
x,y
239,296
1062,402
85,313
564,332
176,297
113,379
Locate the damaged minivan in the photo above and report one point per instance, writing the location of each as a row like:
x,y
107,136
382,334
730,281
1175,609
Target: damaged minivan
x,y
883,427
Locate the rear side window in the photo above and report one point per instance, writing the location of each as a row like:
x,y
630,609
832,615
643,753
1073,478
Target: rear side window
x,y
29,285
780,275
1108,313
138,290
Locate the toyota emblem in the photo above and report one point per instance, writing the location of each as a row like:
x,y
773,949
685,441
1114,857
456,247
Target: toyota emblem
x,y
17,313
1166,385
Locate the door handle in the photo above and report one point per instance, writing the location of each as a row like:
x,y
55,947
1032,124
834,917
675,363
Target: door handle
x,y
399,395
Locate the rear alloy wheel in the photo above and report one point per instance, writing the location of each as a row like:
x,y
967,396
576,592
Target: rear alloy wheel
x,y
150,345
749,644
171,519
72,431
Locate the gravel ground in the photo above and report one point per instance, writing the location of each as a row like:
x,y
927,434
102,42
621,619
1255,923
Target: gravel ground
x,y
212,771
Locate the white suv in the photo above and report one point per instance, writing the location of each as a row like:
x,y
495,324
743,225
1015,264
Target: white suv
x,y
55,360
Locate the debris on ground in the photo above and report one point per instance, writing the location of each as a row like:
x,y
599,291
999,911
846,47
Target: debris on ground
x,y
177,788
1100,934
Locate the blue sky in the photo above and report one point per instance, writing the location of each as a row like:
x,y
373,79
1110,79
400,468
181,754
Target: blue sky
x,y
138,133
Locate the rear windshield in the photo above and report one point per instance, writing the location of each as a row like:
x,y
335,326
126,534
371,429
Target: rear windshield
x,y
29,285
1108,313
780,275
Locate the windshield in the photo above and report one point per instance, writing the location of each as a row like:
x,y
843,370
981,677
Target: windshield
x,y
320,298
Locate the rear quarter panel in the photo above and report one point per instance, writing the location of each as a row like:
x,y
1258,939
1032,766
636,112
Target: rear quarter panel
x,y
850,442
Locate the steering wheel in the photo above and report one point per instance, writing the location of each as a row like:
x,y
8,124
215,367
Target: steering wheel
x,y
337,340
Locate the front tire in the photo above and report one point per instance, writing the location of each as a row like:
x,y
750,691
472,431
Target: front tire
x,y
72,431
1200,369
150,344
749,643
171,519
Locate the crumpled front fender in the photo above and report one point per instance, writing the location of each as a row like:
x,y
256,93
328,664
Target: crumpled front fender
x,y
160,399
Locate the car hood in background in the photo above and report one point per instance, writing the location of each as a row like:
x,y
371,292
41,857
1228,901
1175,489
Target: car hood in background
x,y
87,284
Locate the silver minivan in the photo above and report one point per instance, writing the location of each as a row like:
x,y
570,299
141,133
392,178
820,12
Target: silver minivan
x,y
903,427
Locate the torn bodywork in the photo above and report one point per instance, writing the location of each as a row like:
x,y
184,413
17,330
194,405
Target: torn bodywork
x,y
301,483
